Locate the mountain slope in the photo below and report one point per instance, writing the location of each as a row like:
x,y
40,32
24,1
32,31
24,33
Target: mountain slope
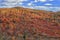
x,y
17,21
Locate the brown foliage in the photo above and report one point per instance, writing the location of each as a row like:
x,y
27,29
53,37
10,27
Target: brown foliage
x,y
15,22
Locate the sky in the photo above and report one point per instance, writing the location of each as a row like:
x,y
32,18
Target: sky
x,y
51,5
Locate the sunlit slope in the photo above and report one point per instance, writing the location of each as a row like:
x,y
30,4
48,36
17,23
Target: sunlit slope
x,y
17,21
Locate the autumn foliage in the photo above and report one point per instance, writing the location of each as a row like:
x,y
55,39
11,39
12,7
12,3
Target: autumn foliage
x,y
16,22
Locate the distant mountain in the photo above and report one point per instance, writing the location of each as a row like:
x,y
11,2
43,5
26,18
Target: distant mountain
x,y
25,22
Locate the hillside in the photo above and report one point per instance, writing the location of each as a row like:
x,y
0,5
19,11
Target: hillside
x,y
28,23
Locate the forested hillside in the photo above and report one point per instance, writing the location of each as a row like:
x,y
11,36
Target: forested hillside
x,y
28,24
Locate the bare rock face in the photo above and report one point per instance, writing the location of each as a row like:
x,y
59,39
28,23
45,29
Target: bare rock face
x,y
28,24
